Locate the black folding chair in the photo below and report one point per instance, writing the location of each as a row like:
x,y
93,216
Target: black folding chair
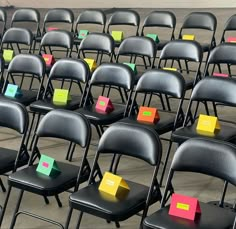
x,y
209,157
143,144
3,21
59,124
230,26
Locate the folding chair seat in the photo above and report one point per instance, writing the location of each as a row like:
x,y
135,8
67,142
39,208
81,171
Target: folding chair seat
x,y
201,21
3,21
158,20
22,68
108,75
90,17
194,156
124,18
230,26
27,18
98,44
59,124
19,37
138,47
92,201
187,51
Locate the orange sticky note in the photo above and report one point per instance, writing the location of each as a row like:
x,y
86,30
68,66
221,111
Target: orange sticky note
x,y
148,114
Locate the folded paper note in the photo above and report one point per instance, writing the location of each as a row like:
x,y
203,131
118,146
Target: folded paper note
x,y
231,39
49,59
52,29
208,124
113,184
133,67
188,37
61,96
170,69
104,104
48,166
13,91
8,55
82,34
118,36
184,206
91,63
153,36
220,74
148,114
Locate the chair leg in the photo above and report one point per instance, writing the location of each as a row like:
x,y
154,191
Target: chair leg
x,y
46,200
68,152
165,163
116,164
58,201
68,218
30,130
79,220
72,153
5,205
2,185
13,221
98,131
112,162
117,224
36,126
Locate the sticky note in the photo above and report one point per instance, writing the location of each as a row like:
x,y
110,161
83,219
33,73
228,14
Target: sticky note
x,y
208,124
170,69
148,114
231,39
82,34
61,96
184,206
49,59
188,37
104,104
153,36
13,91
52,29
220,74
133,67
8,55
113,184
118,36
48,166
91,63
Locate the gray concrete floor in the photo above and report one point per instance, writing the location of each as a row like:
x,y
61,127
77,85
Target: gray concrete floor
x,y
202,187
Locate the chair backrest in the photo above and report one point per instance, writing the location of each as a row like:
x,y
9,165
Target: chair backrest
x,y
231,23
67,125
216,89
18,35
207,156
25,15
98,42
160,19
59,15
113,74
200,20
14,116
70,69
124,17
27,64
92,17
144,143
3,20
161,81
182,50
141,46
57,38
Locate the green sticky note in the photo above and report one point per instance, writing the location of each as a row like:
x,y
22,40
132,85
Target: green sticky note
x,y
147,113
102,103
132,66
117,35
83,33
61,96
48,166
8,54
153,36
13,91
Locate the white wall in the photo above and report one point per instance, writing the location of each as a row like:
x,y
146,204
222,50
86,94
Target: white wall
x,y
121,3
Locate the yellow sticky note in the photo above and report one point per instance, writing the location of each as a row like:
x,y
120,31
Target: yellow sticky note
x,y
170,69
188,37
91,63
117,35
208,124
61,96
113,184
8,54
183,206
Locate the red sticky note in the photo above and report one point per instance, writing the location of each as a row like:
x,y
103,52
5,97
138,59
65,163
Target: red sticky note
x,y
104,104
231,39
220,74
184,206
45,164
52,28
49,59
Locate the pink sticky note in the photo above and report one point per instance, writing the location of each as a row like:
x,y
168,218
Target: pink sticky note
x,y
231,39
52,28
45,164
104,104
184,206
220,74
